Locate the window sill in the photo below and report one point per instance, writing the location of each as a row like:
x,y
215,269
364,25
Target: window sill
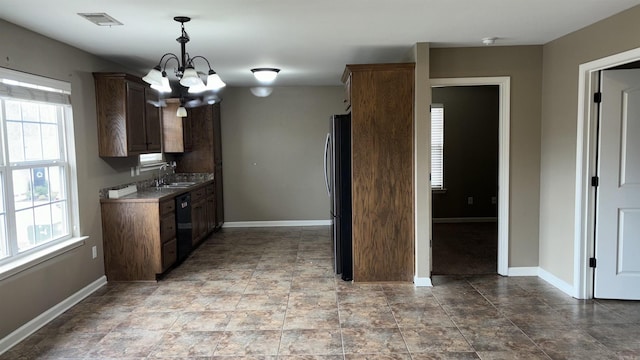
x,y
14,267
438,191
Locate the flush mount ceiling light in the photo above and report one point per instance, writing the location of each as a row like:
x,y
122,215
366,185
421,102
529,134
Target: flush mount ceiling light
x,y
265,75
489,40
185,70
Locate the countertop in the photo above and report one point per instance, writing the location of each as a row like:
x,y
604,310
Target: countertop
x,y
153,194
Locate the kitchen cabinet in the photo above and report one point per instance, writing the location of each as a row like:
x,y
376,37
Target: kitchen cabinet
x,y
176,131
206,153
211,207
200,226
128,116
139,238
380,98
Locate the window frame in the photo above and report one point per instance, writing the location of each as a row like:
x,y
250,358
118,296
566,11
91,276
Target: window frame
x,y
59,92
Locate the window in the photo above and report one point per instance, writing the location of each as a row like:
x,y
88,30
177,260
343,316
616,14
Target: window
x,y
34,167
437,147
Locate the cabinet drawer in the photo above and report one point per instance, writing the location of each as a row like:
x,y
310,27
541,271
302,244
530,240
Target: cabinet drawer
x,y
167,207
198,194
211,189
167,228
169,254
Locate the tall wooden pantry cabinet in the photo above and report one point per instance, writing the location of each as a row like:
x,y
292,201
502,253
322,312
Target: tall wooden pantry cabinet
x,y
206,153
380,98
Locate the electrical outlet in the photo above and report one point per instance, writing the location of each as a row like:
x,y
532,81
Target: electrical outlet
x,y
470,200
494,200
94,252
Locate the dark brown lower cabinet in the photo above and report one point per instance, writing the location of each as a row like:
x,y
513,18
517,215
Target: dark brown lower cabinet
x,y
139,238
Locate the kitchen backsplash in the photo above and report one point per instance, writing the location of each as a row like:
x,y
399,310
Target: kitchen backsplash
x,y
143,184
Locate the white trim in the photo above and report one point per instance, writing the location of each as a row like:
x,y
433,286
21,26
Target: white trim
x,y
422,282
523,271
557,282
464,220
43,319
248,224
585,158
18,265
504,84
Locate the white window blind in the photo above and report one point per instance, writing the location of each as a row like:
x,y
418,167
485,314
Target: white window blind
x,y
437,146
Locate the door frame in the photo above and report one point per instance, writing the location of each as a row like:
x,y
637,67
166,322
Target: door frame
x,y
584,217
504,136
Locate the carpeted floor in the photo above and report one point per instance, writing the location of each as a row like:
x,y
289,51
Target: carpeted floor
x,y
465,248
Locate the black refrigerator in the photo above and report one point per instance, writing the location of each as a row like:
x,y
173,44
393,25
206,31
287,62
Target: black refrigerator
x,y
337,172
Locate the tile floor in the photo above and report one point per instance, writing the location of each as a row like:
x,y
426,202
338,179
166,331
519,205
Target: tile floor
x,y
465,248
271,294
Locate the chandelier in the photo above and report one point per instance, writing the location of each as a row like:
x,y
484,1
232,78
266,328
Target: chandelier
x,y
185,71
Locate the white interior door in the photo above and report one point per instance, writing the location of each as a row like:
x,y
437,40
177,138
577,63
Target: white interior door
x,y
617,273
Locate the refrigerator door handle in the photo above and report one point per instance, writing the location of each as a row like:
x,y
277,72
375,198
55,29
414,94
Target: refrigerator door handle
x,y
327,143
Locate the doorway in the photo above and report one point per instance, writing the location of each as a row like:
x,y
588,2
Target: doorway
x,y
590,219
464,205
503,85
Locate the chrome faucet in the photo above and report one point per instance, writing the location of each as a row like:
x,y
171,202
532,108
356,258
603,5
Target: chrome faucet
x,y
162,175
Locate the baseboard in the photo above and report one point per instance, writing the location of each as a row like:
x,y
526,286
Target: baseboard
x,y
557,282
422,281
241,224
464,220
523,271
43,319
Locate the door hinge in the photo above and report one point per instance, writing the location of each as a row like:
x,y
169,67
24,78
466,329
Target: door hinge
x,y
597,97
592,262
595,181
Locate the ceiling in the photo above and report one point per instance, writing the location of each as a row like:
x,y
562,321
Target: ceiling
x,y
309,40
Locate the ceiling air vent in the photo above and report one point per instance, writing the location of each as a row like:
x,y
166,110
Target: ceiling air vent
x,y
100,19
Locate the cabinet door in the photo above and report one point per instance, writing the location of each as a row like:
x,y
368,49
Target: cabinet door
x,y
136,128
187,138
152,121
219,220
172,127
198,220
211,207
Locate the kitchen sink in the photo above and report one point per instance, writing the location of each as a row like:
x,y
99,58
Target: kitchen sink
x,y
178,185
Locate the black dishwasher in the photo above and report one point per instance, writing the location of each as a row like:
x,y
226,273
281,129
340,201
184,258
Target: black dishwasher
x,y
183,222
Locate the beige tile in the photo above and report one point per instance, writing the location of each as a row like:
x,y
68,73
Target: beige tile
x,y
264,301
410,315
311,342
187,344
202,321
367,316
435,339
256,320
119,344
312,318
249,343
374,341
